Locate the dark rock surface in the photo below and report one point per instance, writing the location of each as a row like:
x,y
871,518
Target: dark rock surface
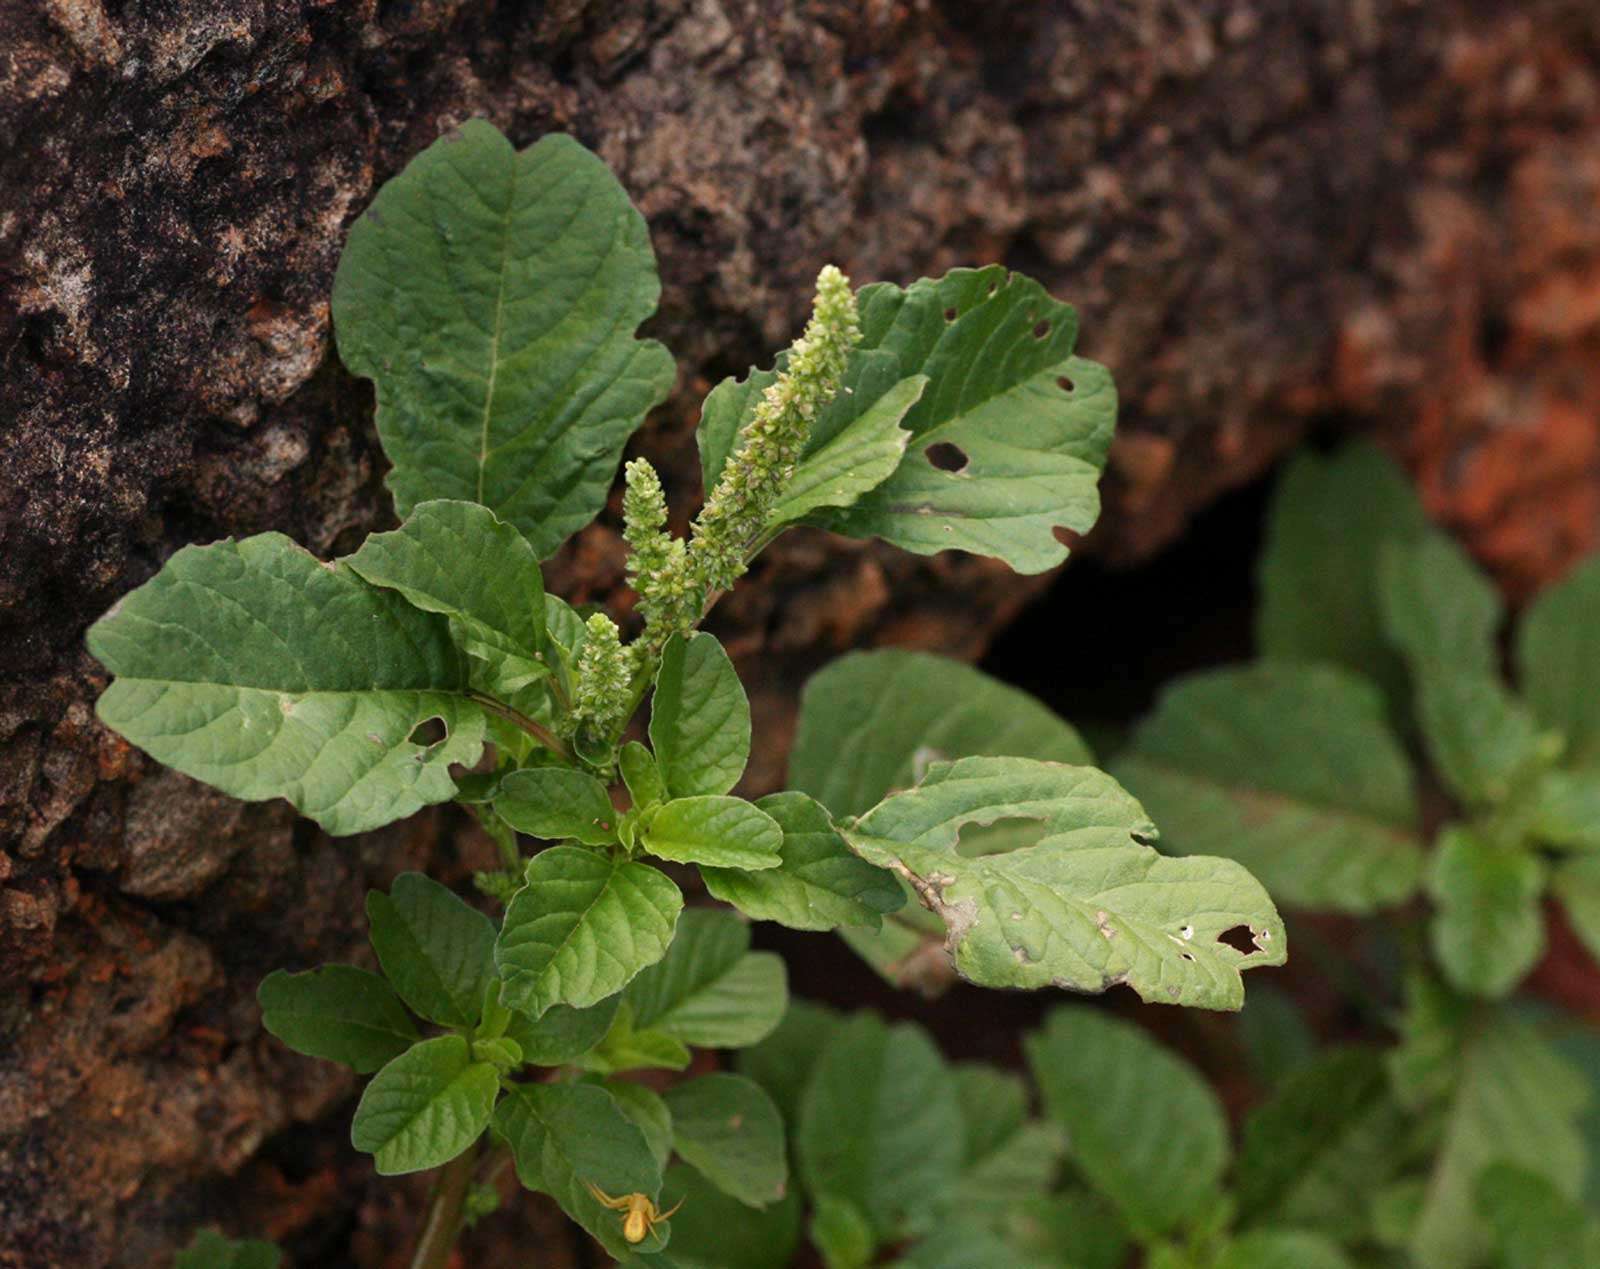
x,y
1273,215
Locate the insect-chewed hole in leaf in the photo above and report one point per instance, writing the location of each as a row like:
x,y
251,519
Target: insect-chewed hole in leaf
x,y
950,314
1065,384
945,456
1240,939
1041,329
429,732
1000,837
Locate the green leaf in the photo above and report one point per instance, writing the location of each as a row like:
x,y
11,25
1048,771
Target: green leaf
x,y
425,1107
721,832
1436,606
1090,906
647,1110
782,1062
864,455
1324,815
1143,1126
727,1128
581,928
1558,660
556,803
994,1105
1283,1249
880,1123
257,668
1576,882
1483,740
1318,575
627,1048
1487,928
565,1137
1076,1228
841,1232
818,885
965,1243
641,775
1276,1037
210,1250
1534,1225
496,606
871,722
699,718
337,1012
492,296
1315,1155
562,1034
1566,809
713,1231
710,990
1031,421
1516,1101
435,950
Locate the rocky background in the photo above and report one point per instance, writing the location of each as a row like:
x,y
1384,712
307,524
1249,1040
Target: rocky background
x,y
1275,216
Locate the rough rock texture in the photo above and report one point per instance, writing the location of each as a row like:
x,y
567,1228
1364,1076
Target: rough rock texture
x,y
1360,212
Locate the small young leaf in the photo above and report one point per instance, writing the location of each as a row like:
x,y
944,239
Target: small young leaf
x,y
492,296
425,1107
566,1137
435,950
337,1012
210,1250
641,774
1566,809
880,1123
728,1129
557,803
649,1112
1324,815
1315,1155
841,1233
818,885
722,832
1030,421
1516,1101
699,718
710,990
1533,1224
1318,575
581,928
713,1231
1487,929
1143,1126
1283,1249
782,1063
1090,906
627,1048
1558,659
562,1034
871,722
496,606
257,668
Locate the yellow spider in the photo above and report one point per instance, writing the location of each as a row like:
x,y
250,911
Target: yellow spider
x,y
640,1214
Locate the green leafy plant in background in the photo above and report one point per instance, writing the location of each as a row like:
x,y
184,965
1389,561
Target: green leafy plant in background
x,y
1380,675
493,297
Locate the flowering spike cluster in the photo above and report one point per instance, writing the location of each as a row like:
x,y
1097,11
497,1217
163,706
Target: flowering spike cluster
x,y
658,563
769,446
604,673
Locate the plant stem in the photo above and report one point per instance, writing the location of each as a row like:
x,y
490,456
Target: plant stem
x,y
443,1221
538,731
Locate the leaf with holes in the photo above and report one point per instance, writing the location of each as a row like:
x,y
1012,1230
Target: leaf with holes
x,y
871,722
728,1130
557,803
1027,423
710,989
492,296
818,885
256,668
1143,1127
581,928
1558,657
720,832
435,949
1487,928
880,1124
566,1137
337,1012
425,1107
1090,906
699,718
1324,815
